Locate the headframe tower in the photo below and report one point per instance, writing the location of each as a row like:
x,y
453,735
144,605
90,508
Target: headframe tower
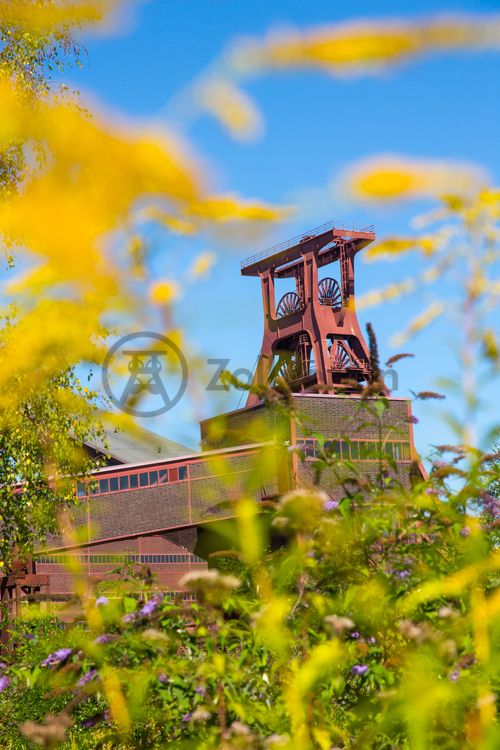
x,y
312,337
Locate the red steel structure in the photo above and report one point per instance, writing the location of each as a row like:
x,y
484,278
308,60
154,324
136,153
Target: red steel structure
x,y
311,336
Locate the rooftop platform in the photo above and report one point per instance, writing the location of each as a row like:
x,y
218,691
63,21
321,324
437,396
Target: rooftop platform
x,y
326,238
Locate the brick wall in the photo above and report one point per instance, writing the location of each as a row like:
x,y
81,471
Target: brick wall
x,y
166,574
258,424
340,416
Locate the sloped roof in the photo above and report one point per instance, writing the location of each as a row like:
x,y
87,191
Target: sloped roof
x,y
137,446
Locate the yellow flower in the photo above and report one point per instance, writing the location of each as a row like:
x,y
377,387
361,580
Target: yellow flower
x,y
163,292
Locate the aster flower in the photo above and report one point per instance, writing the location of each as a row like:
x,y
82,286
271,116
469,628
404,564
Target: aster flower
x,y
359,669
87,677
130,617
151,605
465,531
330,505
104,638
162,677
101,601
96,719
4,682
402,574
57,658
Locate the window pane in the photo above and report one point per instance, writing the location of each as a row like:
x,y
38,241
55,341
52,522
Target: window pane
x,y
183,472
406,451
354,451
371,449
124,483
173,475
113,484
81,489
134,481
389,449
309,448
163,475
344,447
144,479
397,451
103,485
153,477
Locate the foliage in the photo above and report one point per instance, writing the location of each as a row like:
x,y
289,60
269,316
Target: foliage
x,y
375,624
42,433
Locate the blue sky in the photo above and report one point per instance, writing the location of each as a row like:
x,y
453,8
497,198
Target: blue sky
x,y
445,107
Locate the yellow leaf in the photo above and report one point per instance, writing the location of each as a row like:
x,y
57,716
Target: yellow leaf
x,y
232,107
385,178
202,264
356,48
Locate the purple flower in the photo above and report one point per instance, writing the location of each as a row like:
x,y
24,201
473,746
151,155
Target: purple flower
x,y
87,677
130,617
151,605
96,719
454,676
162,677
29,637
4,682
200,690
104,638
186,717
491,505
413,419
402,574
355,634
330,505
465,531
359,669
57,658
371,640
101,601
